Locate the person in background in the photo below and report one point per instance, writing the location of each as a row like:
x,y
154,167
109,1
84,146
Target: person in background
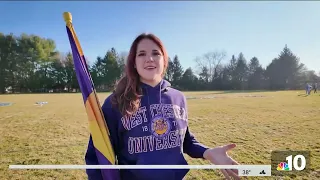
x,y
148,120
315,87
310,88
307,89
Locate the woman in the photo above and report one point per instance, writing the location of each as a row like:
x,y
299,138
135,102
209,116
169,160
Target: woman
x,y
148,119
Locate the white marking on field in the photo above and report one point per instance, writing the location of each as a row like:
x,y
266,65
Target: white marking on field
x,y
206,97
252,96
235,96
5,104
41,103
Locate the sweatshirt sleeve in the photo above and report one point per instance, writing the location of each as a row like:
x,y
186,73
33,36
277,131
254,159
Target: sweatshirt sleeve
x,y
90,156
191,145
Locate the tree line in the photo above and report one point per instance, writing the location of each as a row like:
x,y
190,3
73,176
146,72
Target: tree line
x,y
31,64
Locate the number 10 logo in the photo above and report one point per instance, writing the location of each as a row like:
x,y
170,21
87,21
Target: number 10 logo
x,y
287,166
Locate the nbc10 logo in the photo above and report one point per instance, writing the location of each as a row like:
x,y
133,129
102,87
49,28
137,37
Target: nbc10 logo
x,y
287,166
289,162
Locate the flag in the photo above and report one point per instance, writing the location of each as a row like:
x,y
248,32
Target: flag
x,y
97,125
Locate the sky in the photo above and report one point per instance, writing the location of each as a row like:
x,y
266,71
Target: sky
x,y
188,29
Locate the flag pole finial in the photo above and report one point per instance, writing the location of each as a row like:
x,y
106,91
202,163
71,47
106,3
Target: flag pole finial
x,y
67,17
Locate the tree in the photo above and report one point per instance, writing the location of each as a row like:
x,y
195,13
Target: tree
x,y
177,71
204,77
210,62
25,62
97,73
253,65
188,80
8,57
285,71
111,69
30,63
241,73
71,78
170,70
226,77
121,60
58,76
255,74
230,72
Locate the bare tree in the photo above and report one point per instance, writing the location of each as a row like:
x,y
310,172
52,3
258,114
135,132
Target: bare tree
x,y
122,61
123,57
210,61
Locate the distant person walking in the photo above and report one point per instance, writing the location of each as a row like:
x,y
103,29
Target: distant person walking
x,y
315,87
307,89
310,88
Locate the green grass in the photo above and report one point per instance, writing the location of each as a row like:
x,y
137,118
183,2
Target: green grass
x,y
57,133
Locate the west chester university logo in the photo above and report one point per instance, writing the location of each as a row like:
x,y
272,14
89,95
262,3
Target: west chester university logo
x,y
160,126
167,126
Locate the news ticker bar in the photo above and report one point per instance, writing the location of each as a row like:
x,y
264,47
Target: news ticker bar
x,y
243,170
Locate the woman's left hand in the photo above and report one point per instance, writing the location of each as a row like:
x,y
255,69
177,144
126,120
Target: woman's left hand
x,y
219,156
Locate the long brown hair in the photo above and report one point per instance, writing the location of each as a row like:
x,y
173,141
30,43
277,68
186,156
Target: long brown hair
x,y
127,93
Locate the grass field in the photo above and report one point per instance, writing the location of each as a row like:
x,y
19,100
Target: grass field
x,y
258,122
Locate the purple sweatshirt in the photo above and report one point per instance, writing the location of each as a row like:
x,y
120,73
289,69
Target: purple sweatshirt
x,y
157,134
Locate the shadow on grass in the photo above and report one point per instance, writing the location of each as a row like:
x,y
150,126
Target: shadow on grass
x,y
244,91
302,95
239,91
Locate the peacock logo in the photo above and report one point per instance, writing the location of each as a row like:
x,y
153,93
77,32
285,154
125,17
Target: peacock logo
x,y
283,166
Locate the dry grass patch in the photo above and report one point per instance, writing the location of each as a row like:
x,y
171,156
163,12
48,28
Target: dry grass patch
x,y
258,122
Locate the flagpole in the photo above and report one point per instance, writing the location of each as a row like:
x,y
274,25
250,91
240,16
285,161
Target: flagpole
x,y
68,19
98,128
